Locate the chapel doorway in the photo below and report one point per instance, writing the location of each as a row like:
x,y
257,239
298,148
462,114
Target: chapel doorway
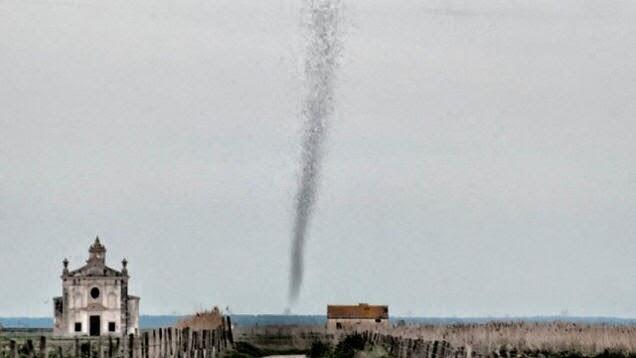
x,y
94,325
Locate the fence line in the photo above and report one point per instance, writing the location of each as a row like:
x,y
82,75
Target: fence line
x,y
403,347
169,342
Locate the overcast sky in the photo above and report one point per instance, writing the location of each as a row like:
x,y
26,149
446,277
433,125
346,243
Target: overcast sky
x,y
482,159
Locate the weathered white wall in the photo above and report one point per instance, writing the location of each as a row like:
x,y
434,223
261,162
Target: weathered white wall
x,y
81,305
133,310
356,323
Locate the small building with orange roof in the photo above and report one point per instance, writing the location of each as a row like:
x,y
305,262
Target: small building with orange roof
x,y
361,316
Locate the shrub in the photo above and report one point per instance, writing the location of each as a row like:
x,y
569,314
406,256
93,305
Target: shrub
x,y
319,349
348,346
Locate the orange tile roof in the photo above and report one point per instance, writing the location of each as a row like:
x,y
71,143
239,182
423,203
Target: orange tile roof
x,y
360,311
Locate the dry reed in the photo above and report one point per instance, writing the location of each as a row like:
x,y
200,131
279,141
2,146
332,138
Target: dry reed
x,y
209,319
586,339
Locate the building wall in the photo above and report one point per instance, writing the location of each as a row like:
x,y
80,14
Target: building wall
x,y
80,305
133,312
58,314
356,323
95,290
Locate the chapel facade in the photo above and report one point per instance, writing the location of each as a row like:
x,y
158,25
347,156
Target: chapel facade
x,y
95,299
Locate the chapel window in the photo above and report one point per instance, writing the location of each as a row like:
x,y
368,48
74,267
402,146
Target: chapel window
x,y
95,293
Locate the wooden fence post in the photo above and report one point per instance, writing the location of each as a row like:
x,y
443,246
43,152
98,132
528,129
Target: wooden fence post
x,y
213,341
185,341
229,331
434,350
169,342
100,348
122,349
117,347
208,333
173,338
166,342
13,347
139,346
164,347
212,344
204,343
427,350
158,349
207,343
198,344
85,349
154,343
214,338
176,342
29,348
189,342
110,347
147,344
42,349
193,344
131,345
224,334
442,349
218,340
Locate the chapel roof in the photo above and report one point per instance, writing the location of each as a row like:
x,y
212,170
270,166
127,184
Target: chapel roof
x,y
95,265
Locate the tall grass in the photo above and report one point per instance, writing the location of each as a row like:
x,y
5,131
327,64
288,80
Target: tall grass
x,y
523,336
586,339
208,319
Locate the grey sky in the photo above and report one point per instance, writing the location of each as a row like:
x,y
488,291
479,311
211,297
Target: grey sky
x,y
481,162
